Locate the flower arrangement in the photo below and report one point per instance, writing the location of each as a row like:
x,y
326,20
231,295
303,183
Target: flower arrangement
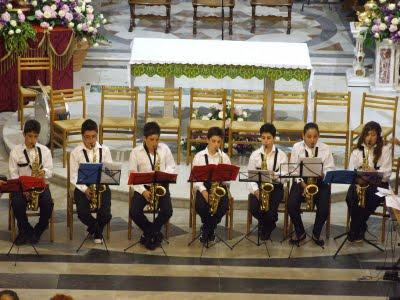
x,y
381,18
216,113
15,31
76,14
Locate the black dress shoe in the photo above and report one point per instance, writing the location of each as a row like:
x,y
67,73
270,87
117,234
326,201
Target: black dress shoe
x,y
298,240
22,239
355,237
317,241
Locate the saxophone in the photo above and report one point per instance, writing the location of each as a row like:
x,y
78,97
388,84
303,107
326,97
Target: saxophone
x,y
216,193
266,188
156,190
33,196
97,191
362,188
310,191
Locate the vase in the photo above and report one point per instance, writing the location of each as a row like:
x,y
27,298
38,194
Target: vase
x,y
80,53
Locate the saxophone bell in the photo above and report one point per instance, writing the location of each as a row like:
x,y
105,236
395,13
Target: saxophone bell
x,y
310,191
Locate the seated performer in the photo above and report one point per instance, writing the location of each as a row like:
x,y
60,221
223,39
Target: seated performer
x,y
31,159
369,155
310,147
211,155
267,157
90,151
151,155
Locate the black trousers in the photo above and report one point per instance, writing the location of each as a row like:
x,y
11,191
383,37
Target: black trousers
x,y
359,215
267,220
85,215
46,204
140,219
202,207
321,200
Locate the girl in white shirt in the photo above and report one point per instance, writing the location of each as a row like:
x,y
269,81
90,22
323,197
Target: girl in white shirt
x,y
378,157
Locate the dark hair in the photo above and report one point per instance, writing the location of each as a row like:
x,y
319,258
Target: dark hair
x,y
268,128
151,128
215,131
379,141
32,126
309,126
61,297
10,292
89,125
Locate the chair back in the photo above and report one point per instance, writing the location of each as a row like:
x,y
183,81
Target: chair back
x,y
156,94
256,99
65,97
379,103
207,96
288,99
332,100
112,94
27,64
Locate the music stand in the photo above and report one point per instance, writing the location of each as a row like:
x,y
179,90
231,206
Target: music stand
x,y
349,177
260,177
306,167
153,177
98,174
22,184
213,173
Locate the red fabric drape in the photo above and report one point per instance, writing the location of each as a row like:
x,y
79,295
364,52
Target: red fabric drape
x,y
62,79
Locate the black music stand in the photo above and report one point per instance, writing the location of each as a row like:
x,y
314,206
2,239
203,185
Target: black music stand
x,y
307,167
15,185
371,178
154,177
392,271
213,173
258,176
98,174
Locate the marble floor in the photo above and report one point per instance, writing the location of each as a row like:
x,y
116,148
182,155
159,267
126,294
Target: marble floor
x,y
246,272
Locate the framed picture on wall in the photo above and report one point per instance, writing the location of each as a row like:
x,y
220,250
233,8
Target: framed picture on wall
x,y
384,65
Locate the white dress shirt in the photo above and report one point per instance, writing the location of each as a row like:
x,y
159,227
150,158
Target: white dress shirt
x,y
77,157
200,160
17,157
299,151
255,161
384,163
139,162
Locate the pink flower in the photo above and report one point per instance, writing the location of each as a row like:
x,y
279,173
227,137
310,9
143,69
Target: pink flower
x,y
90,17
44,25
38,14
65,7
375,28
6,17
84,27
94,30
69,16
21,17
47,8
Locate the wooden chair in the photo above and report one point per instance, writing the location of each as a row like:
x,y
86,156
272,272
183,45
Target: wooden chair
x,y
31,64
120,128
377,103
169,125
246,98
62,130
151,3
11,219
193,214
271,3
338,131
211,97
147,210
289,127
213,4
70,204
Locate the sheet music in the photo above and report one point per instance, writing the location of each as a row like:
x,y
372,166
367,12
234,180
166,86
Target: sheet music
x,y
312,166
266,175
111,173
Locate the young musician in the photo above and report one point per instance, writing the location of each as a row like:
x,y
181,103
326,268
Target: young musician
x,y
149,156
310,147
369,155
211,155
90,151
22,157
269,156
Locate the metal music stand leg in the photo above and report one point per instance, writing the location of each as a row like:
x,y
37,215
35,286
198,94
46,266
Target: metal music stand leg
x,y
246,236
79,248
16,256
